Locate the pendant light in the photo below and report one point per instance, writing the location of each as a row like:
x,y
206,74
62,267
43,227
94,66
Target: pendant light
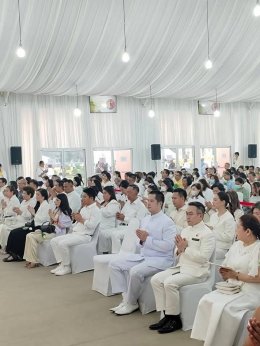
x,y
125,55
77,110
20,51
217,107
208,63
151,112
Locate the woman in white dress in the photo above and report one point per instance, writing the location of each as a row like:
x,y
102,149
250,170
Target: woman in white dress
x,y
206,190
234,205
108,208
219,315
223,224
22,215
256,211
167,190
9,202
196,194
106,179
77,185
96,185
255,197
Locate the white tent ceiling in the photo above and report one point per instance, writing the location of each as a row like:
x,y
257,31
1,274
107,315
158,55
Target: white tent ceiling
x,y
81,41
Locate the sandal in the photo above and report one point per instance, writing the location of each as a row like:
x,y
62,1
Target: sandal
x,y
9,259
32,265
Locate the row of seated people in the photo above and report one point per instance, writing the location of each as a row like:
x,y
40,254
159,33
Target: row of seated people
x,y
218,316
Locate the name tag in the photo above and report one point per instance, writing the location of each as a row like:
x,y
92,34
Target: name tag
x,y
195,239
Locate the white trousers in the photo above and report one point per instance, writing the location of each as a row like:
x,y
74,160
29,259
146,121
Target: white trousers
x,y
33,239
61,246
117,237
4,234
166,287
127,277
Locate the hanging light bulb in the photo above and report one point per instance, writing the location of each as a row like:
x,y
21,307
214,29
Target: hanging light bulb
x,y
125,55
77,110
217,108
208,63
151,112
20,51
256,11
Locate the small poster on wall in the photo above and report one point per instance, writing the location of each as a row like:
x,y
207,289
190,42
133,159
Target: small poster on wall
x,y
102,104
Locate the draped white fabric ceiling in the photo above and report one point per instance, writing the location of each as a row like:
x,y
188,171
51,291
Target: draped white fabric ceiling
x,y
81,41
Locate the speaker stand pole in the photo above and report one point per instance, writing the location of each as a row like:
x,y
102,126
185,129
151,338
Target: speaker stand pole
x,y
15,171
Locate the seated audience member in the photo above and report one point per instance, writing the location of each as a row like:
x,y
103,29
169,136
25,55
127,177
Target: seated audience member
x,y
133,208
77,185
73,196
217,187
256,211
47,183
195,247
58,186
96,185
87,221
238,187
165,174
16,240
132,179
255,192
228,181
167,189
140,183
196,194
222,224
122,197
3,184
219,315
22,215
9,202
206,190
156,241
106,179
214,179
60,217
108,210
251,177
21,183
34,184
178,215
246,184
195,176
178,179
117,174
234,205
253,328
186,183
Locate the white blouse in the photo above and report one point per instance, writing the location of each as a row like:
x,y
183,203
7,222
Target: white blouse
x,y
108,215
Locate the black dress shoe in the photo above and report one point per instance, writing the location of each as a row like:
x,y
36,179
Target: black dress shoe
x,y
171,326
159,324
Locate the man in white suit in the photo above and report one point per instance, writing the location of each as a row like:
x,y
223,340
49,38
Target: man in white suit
x,y
156,240
194,247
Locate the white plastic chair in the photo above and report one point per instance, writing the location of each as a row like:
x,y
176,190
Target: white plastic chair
x,y
101,279
190,296
82,255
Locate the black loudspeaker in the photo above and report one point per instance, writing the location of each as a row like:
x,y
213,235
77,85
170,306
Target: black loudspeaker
x,y
16,155
252,151
156,151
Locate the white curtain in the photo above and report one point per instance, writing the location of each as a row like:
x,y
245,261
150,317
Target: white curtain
x,y
36,122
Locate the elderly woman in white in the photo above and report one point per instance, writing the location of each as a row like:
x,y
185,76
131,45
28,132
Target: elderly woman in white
x,y
108,211
9,202
22,213
219,315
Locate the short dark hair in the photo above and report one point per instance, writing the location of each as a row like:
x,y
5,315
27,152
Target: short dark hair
x,y
167,171
90,192
29,190
152,174
124,184
69,181
219,186
200,207
134,187
34,182
181,192
239,180
179,172
3,180
237,153
44,193
107,174
159,196
251,222
111,191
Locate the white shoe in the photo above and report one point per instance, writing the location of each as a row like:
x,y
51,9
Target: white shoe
x,y
117,307
63,271
53,271
127,309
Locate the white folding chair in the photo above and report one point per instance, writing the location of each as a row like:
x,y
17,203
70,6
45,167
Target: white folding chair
x,y
82,255
101,279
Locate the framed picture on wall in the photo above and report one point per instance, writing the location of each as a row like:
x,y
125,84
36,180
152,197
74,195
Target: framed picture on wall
x,y
102,104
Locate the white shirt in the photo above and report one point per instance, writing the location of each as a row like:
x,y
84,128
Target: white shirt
x,y
201,244
42,214
11,203
74,201
132,210
224,229
108,215
208,195
196,199
91,217
39,171
78,189
179,217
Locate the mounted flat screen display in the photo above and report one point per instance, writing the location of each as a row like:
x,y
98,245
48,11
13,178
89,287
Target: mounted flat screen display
x,y
103,104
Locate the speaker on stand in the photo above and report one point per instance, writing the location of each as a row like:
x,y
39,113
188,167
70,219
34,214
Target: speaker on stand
x,y
252,152
16,157
156,154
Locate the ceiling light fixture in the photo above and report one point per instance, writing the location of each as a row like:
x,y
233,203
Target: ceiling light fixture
x,y
77,111
151,112
208,63
256,11
125,55
20,52
217,107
